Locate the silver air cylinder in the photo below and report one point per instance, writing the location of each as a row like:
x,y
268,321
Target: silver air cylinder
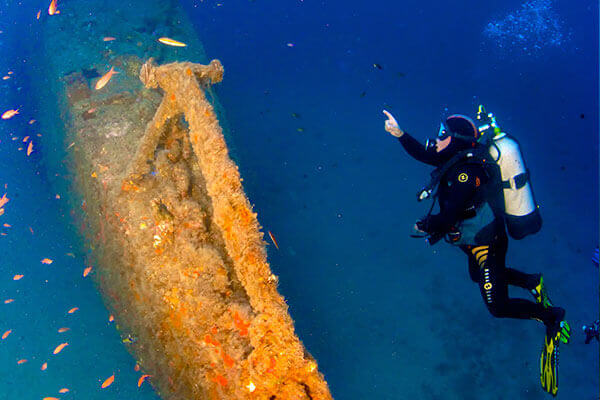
x,y
521,211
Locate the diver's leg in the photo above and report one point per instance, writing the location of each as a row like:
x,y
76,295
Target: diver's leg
x,y
534,283
493,284
473,266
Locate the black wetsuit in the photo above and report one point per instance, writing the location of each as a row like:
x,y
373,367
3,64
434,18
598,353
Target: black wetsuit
x,y
460,192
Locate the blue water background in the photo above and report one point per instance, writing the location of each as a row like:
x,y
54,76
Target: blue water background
x,y
386,316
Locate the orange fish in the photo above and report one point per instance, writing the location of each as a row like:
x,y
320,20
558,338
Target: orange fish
x,y
6,225
5,335
25,139
137,367
30,148
61,330
5,77
50,398
171,42
86,271
70,255
7,301
63,390
31,121
59,348
273,240
142,378
46,260
44,366
111,318
10,113
108,381
105,78
109,38
17,277
72,310
22,361
52,8
37,16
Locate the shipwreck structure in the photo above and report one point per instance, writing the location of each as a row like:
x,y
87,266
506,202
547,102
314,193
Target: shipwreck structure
x,y
177,250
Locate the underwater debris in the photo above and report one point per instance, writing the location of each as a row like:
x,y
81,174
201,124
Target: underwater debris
x,y
178,249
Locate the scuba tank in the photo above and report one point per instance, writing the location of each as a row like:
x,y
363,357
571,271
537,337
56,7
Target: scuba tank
x,y
521,211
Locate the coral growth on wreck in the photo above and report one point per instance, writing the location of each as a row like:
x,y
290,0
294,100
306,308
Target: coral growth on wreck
x,y
180,254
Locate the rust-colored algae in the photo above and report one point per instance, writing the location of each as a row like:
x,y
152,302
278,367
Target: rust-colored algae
x,y
179,251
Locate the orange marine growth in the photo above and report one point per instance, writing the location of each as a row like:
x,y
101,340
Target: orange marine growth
x,y
240,324
227,360
220,379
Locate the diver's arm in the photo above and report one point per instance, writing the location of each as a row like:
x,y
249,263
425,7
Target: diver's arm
x,y
416,150
410,144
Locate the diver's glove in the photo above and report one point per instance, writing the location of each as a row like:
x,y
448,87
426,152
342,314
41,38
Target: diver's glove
x,y
559,332
421,225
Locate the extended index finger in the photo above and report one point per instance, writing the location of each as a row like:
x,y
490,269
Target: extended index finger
x,y
389,116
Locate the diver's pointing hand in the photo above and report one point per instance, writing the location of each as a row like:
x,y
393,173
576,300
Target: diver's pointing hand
x,y
391,125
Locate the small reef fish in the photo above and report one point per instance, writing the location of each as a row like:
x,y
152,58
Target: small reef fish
x,y
109,38
17,277
31,121
25,139
273,240
5,335
61,330
108,381
37,16
105,78
171,42
63,390
142,378
59,348
44,366
22,361
87,271
111,318
8,301
6,77
137,367
6,225
50,398
52,8
72,310
3,200
10,113
30,148
46,261
130,339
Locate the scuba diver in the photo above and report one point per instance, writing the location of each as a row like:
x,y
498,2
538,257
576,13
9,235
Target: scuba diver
x,y
482,187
